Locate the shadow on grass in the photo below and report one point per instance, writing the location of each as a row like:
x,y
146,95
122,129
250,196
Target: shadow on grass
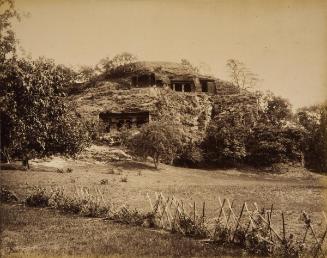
x,y
17,166
12,166
135,165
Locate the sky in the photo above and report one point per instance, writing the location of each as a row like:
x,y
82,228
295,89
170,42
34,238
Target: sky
x,y
283,41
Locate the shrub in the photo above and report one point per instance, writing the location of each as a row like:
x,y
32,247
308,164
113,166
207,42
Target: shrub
x,y
314,120
191,228
62,171
104,181
123,179
85,205
267,145
39,198
7,196
133,217
191,155
224,143
160,140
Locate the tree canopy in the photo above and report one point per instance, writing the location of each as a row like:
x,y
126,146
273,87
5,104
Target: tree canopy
x,y
314,121
160,140
36,120
240,75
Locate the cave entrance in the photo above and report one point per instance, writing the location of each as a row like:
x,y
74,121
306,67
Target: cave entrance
x,y
116,121
182,86
144,80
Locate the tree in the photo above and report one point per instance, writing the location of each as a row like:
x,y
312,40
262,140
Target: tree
x,y
314,121
8,41
189,66
160,140
86,73
108,65
275,138
241,76
275,111
267,144
225,138
35,118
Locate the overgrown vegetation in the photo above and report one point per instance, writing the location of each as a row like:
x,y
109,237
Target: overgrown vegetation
x,y
160,140
36,120
268,145
82,202
262,136
7,196
250,230
314,121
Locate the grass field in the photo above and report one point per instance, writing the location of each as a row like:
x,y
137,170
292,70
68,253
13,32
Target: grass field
x,y
43,232
128,183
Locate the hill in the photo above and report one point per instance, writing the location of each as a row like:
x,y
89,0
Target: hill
x,y
162,89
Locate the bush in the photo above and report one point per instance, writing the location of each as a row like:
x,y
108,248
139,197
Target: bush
x,y
7,196
104,181
160,140
224,143
124,179
314,120
267,145
39,198
191,156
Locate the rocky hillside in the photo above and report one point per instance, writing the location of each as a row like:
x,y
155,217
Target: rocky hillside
x,y
193,110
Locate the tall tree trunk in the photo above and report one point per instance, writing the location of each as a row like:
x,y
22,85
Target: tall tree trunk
x,y
26,162
156,160
5,155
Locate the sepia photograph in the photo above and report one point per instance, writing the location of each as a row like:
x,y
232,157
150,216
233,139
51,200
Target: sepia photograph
x,y
148,128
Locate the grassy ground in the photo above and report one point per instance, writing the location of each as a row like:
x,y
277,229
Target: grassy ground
x,y
40,232
291,192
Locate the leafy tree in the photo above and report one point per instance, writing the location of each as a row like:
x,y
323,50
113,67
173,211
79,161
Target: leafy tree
x,y
108,65
241,76
276,110
225,138
86,73
189,66
35,118
275,138
160,140
314,120
191,155
8,41
267,144
309,117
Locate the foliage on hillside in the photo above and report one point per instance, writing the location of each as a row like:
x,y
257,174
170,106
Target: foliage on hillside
x,y
242,130
232,119
268,145
192,111
160,140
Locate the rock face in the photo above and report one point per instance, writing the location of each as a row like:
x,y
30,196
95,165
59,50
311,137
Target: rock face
x,y
192,110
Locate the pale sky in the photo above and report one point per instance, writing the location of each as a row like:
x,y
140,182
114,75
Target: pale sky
x,y
284,42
